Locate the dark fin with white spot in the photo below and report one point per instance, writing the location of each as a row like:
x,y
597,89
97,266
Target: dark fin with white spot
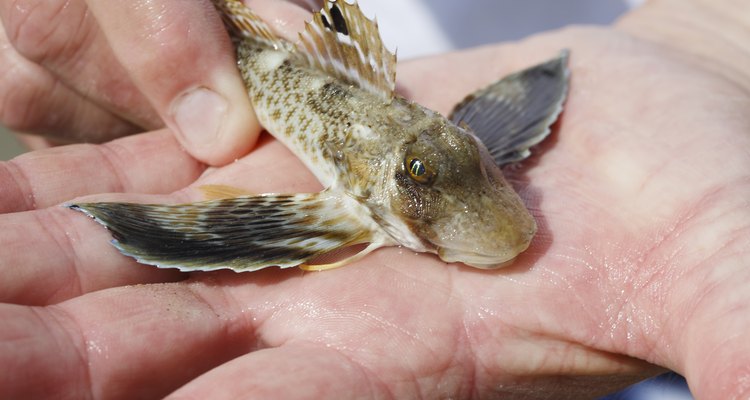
x,y
344,43
243,24
515,113
241,234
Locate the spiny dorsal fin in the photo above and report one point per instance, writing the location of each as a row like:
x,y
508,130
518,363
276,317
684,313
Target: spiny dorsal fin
x,y
244,24
344,43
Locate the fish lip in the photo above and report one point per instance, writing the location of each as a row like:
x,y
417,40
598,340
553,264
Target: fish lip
x,y
479,260
482,251
492,265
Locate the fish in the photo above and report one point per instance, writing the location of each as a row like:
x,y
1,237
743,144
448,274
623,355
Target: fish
x,y
395,173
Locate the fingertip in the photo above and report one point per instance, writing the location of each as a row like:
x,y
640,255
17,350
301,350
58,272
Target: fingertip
x,y
182,60
215,124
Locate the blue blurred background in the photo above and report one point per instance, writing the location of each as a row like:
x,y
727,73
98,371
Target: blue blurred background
x,y
669,386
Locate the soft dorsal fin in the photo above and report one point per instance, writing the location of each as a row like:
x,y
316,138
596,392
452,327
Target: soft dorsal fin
x,y
344,43
244,24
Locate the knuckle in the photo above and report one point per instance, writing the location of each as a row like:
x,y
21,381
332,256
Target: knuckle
x,y
45,30
25,32
20,92
15,102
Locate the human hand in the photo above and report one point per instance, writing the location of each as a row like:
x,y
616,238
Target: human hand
x,y
91,71
641,254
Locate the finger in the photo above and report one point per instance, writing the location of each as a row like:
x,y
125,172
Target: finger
x,y
148,163
30,340
65,254
716,363
318,372
62,37
33,100
285,18
50,255
133,342
181,58
33,142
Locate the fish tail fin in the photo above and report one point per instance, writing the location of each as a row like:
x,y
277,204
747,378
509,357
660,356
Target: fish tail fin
x,y
242,234
243,24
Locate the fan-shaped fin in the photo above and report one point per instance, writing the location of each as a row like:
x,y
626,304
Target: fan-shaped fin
x,y
515,113
241,234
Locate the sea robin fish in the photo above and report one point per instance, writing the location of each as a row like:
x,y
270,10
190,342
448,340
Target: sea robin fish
x,y
395,172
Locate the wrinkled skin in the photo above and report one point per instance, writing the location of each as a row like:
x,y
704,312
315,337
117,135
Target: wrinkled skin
x,y
78,70
641,201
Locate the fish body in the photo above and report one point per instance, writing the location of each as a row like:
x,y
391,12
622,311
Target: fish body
x,y
395,173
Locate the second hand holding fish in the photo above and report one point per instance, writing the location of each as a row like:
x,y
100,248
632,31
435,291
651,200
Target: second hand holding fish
x,y
395,172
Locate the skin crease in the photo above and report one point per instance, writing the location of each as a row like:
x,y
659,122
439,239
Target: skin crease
x,y
90,76
640,196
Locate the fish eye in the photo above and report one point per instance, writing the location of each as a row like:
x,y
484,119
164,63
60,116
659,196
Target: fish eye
x,y
419,170
416,167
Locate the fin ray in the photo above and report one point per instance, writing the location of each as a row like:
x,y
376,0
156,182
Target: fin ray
x,y
243,24
242,234
515,113
336,264
344,43
218,192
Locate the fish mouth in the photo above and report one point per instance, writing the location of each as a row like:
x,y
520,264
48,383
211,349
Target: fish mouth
x,y
479,260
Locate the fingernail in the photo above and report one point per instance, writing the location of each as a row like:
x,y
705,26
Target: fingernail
x,y
199,115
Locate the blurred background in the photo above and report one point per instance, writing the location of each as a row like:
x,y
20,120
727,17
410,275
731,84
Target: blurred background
x,y
9,146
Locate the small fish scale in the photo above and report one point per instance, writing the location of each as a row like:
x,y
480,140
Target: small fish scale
x,y
315,116
280,97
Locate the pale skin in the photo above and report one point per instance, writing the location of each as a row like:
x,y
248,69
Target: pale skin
x,y
640,264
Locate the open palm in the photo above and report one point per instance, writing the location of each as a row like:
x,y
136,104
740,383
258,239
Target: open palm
x,y
640,195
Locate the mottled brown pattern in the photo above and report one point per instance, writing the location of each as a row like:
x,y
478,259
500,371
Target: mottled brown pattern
x,y
354,140
357,138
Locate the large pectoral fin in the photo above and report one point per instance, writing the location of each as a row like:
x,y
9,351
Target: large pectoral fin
x,y
242,234
515,113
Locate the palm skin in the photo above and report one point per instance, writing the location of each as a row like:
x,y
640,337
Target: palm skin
x,y
640,196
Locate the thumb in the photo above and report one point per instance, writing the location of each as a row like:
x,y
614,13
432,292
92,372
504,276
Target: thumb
x,y
181,59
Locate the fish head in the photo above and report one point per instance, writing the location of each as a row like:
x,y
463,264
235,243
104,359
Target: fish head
x,y
454,198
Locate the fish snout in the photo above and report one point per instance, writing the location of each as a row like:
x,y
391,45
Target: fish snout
x,y
491,241
494,255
